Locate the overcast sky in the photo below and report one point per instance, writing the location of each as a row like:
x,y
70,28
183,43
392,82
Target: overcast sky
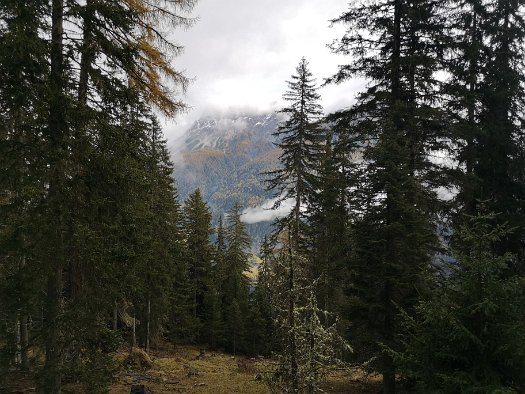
x,y
241,52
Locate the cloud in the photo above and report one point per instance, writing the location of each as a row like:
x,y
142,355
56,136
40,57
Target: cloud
x,y
240,54
265,213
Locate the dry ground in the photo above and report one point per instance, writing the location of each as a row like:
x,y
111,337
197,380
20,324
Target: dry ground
x,y
185,370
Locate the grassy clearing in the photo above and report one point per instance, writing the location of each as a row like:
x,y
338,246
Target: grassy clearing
x,y
186,370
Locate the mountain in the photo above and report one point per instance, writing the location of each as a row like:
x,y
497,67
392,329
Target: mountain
x,y
225,156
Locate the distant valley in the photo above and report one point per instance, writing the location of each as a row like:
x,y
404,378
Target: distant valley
x,y
225,156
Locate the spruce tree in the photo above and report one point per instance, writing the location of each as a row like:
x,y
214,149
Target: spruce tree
x,y
235,289
499,164
200,252
329,222
261,317
395,128
162,240
300,137
307,347
468,334
23,94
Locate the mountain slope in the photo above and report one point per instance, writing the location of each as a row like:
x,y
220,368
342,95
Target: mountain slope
x,y
225,157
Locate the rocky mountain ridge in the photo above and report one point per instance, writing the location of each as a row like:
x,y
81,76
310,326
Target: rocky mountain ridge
x,y
225,156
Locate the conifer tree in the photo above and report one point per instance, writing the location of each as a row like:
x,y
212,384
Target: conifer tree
x,y
329,222
302,334
468,334
162,240
23,94
261,317
236,287
307,346
395,126
484,59
82,116
300,138
200,252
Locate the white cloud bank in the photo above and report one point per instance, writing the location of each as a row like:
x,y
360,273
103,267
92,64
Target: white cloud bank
x,y
240,53
265,213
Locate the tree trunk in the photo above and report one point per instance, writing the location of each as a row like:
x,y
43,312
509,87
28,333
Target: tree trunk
x,y
291,321
115,317
389,376
18,356
53,363
58,149
148,324
24,341
134,333
24,335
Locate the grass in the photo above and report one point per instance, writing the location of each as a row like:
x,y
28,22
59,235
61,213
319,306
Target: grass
x,y
185,370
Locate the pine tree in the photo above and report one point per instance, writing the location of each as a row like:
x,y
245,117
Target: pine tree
x,y
468,334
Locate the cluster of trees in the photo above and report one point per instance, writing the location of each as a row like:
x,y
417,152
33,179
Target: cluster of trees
x,y
408,205
95,248
91,235
405,237
229,310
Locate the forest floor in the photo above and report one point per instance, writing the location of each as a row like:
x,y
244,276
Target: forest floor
x,y
187,370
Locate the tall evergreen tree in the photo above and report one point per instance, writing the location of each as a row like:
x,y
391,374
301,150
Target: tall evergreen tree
x,y
200,251
484,94
23,94
236,287
300,138
395,127
329,221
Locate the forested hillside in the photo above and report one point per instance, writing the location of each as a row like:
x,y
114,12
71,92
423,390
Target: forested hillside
x,y
396,255
225,156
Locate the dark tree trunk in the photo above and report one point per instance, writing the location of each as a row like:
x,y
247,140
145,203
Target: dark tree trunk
x,y
57,132
24,337
148,325
115,317
291,322
53,364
